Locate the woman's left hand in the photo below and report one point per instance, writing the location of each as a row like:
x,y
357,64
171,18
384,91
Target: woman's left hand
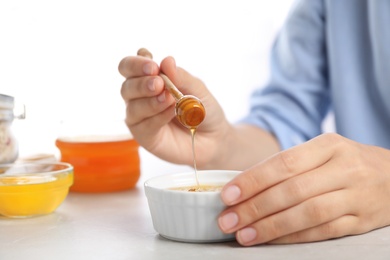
x,y
326,188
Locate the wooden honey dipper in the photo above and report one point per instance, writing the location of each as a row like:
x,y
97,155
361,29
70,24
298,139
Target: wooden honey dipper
x,y
189,110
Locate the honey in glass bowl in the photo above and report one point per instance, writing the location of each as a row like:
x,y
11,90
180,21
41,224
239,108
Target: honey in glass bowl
x,y
33,189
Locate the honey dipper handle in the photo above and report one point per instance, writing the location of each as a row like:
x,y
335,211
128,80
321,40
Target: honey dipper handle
x,y
145,53
171,87
168,83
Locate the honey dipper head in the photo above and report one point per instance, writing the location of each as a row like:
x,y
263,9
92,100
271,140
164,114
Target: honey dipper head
x,y
190,111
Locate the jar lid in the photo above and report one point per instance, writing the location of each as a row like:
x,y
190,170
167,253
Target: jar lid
x,y
6,107
6,102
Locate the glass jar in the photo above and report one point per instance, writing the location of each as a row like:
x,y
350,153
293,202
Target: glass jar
x,y
8,143
104,155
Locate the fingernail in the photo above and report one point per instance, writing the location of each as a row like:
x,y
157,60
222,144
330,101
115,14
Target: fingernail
x,y
231,194
228,221
148,68
247,235
151,86
161,97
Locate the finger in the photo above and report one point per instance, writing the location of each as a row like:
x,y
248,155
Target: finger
x,y
283,196
340,227
140,109
136,66
134,88
282,166
151,125
311,213
184,81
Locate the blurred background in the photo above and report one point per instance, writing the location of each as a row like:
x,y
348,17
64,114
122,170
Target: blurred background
x,y
60,58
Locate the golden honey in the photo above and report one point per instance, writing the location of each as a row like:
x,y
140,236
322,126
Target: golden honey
x,y
32,194
200,188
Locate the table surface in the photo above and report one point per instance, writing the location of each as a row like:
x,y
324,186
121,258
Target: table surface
x,y
118,226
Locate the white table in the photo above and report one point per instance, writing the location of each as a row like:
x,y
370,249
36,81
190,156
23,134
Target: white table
x,y
118,226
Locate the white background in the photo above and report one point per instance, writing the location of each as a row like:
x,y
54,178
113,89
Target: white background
x,y
60,58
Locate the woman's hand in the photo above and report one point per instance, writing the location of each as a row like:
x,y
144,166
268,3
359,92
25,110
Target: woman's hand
x,y
326,188
150,112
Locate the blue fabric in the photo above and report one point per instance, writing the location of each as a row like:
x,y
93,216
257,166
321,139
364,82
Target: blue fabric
x,y
329,56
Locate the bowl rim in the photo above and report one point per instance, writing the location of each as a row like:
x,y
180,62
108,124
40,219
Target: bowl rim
x,y
68,168
148,183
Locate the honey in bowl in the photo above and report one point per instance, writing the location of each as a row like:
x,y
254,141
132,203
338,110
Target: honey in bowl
x,y
200,188
101,163
31,189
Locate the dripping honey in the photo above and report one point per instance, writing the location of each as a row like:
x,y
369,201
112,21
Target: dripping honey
x,y
193,132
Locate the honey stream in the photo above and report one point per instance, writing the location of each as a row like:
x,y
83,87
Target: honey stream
x,y
193,132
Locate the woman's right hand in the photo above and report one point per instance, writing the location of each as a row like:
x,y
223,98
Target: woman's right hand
x,y
150,114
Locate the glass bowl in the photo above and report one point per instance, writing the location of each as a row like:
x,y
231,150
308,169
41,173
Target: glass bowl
x,y
32,189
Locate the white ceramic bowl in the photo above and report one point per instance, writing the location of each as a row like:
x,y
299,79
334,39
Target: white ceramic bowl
x,y
188,216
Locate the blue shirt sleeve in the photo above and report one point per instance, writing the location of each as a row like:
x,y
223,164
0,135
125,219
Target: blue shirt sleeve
x,y
296,97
